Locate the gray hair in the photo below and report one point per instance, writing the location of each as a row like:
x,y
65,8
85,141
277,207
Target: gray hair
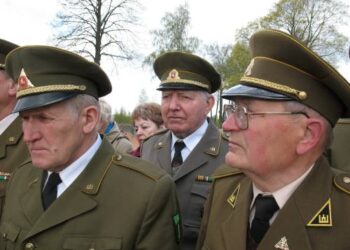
x,y
106,111
327,138
81,101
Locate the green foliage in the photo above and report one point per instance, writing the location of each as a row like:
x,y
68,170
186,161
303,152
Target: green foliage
x,y
237,63
122,116
314,22
174,34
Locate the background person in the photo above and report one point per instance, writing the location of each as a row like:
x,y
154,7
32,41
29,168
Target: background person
x,y
283,194
147,120
187,82
76,192
12,148
109,128
129,131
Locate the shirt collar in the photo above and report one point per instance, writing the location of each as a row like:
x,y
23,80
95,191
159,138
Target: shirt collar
x,y
5,123
282,195
70,173
192,140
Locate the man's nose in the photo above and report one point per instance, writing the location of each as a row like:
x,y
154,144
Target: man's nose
x,y
30,131
230,124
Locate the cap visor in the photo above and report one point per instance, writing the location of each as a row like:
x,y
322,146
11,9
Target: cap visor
x,y
41,100
253,92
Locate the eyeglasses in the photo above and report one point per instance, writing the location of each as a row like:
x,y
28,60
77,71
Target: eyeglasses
x,y
241,114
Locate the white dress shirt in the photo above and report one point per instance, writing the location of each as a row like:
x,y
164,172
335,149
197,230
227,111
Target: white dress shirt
x,y
5,123
70,173
190,141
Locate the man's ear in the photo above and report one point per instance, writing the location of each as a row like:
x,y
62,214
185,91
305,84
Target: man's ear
x,y
210,102
312,136
90,116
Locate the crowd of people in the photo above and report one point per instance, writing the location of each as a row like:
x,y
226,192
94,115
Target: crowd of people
x,y
71,177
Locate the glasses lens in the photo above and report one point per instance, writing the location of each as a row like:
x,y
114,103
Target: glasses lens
x,y
241,117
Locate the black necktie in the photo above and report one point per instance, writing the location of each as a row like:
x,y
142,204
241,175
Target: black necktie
x,y
265,207
177,160
49,193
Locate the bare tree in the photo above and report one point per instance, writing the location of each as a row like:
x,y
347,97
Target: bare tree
x,y
97,28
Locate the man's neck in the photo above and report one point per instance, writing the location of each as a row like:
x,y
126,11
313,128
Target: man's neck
x,y
6,110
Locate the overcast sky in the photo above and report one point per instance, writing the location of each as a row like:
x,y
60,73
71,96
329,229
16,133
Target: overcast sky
x,y
28,22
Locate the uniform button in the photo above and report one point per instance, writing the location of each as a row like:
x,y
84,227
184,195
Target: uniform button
x,y
4,235
29,246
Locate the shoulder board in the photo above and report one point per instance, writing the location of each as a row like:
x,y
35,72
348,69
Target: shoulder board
x,y
342,182
225,171
139,165
158,132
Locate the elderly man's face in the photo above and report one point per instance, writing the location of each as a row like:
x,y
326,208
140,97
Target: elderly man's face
x,y
184,111
54,135
268,144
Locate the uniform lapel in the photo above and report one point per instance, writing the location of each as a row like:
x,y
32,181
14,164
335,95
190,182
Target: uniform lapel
x,y
77,199
30,201
10,136
163,152
300,209
207,148
234,229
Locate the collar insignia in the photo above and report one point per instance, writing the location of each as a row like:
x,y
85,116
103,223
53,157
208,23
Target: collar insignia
x,y
233,197
323,218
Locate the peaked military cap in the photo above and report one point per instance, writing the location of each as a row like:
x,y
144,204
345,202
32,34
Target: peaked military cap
x,y
47,75
282,68
185,71
5,48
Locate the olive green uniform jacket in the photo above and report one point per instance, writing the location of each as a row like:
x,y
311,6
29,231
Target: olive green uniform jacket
x,y
13,152
315,217
203,160
339,153
117,202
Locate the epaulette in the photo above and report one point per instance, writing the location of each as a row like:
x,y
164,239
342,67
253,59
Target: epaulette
x,y
158,132
225,171
342,182
139,165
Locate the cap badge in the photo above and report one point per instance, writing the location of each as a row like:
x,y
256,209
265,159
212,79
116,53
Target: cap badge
x,y
248,71
23,81
173,75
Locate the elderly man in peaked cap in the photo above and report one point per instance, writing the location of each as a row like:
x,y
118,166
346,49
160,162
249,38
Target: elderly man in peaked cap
x,y
192,147
12,147
72,193
279,191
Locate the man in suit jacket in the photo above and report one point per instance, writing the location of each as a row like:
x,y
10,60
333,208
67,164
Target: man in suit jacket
x,y
75,192
282,193
187,82
13,150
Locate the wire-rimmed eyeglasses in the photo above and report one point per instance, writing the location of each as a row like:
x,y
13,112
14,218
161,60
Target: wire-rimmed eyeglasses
x,y
241,114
